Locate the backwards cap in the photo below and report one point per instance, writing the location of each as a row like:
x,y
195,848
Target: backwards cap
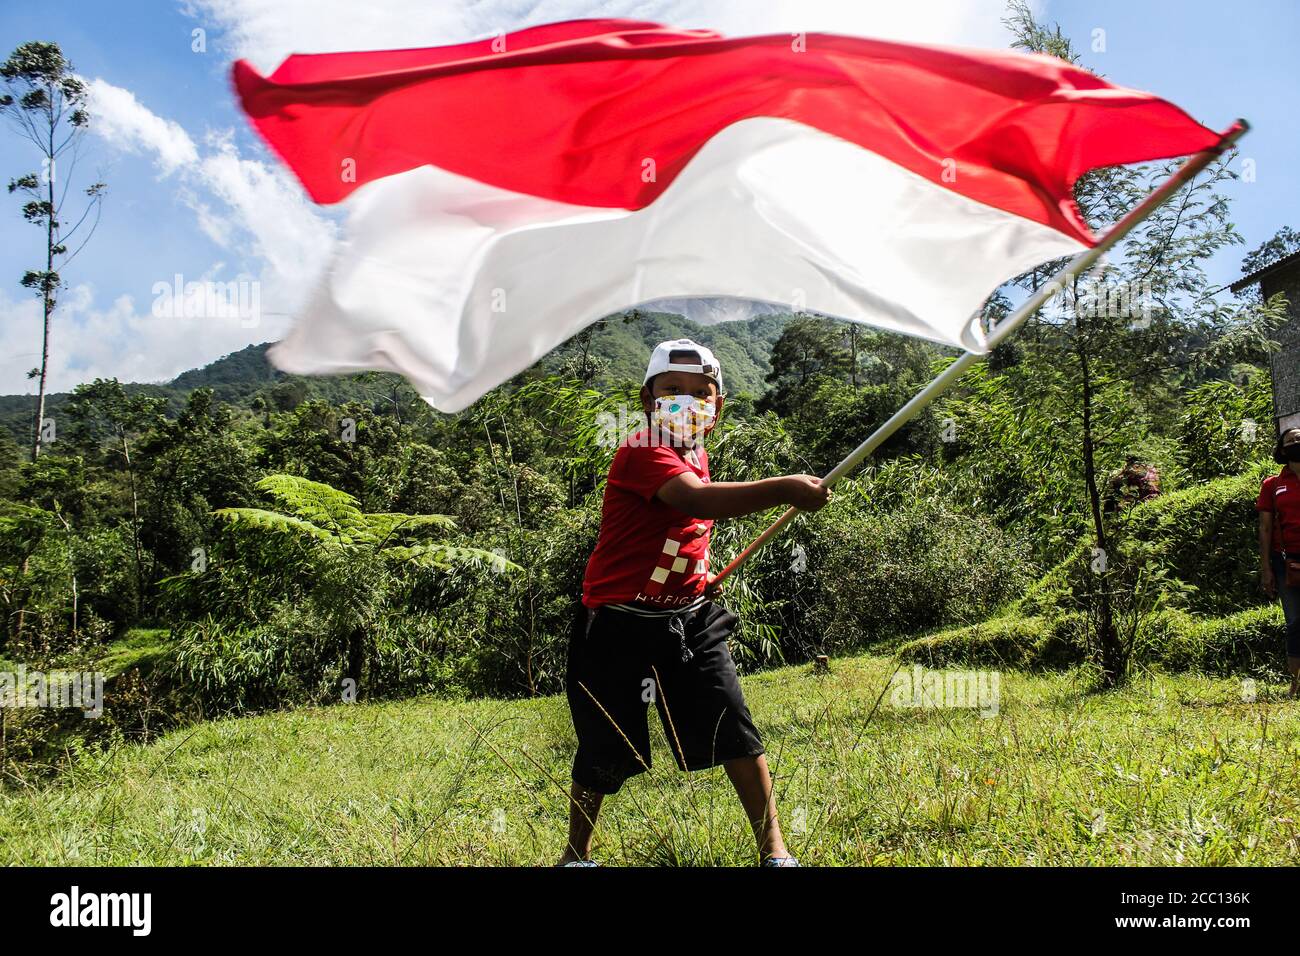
x,y
660,361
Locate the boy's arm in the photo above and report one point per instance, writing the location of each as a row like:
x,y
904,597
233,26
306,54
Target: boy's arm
x,y
731,499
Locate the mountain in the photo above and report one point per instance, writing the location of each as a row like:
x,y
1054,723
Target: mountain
x,y
620,344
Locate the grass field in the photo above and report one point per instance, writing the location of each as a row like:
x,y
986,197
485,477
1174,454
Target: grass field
x,y
1171,770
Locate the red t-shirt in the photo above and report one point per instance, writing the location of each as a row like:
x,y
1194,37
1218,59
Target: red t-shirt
x,y
648,552
1281,493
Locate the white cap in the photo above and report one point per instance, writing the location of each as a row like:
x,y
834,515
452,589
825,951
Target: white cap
x,y
708,364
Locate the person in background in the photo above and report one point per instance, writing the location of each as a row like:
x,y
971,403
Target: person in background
x,y
1131,484
1279,541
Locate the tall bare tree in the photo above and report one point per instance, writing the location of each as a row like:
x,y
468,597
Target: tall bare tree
x,y
45,101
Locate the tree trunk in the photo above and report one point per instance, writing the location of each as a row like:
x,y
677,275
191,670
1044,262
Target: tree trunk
x,y
135,524
48,298
40,388
853,345
72,566
22,610
1112,662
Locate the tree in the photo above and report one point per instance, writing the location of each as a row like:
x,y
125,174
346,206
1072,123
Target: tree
x,y
388,391
103,410
1223,429
45,101
807,347
579,361
582,425
187,467
348,554
22,529
1284,242
1130,328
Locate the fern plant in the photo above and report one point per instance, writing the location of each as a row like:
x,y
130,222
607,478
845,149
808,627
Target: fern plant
x,y
350,559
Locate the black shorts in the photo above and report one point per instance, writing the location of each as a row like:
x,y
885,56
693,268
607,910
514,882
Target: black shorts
x,y
614,659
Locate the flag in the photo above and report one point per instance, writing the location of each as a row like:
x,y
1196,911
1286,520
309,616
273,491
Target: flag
x,y
504,194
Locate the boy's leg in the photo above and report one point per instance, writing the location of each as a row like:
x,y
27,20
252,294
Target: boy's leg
x,y
604,680
753,785
584,807
704,713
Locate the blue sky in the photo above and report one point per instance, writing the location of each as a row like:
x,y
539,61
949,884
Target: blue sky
x,y
193,193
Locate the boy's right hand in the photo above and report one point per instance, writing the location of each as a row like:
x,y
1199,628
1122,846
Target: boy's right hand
x,y
806,492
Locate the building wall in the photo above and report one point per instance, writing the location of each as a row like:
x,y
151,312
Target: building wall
x,y
1286,361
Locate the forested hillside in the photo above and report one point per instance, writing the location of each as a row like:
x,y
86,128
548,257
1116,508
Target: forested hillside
x,y
616,350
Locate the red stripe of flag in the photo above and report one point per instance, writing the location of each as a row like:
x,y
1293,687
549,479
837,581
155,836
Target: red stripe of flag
x,y
572,111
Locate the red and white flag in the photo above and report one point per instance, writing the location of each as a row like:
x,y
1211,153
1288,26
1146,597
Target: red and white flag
x,y
506,193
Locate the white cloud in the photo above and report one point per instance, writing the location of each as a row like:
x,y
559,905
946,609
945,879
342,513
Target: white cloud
x,y
125,340
122,120
263,202
259,209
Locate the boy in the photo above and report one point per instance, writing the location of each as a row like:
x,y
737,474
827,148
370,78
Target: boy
x,y
649,629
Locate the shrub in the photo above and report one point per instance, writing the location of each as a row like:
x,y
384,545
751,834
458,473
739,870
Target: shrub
x,y
1001,642
1248,642
1210,535
413,654
1206,535
882,574
229,667
507,634
1223,426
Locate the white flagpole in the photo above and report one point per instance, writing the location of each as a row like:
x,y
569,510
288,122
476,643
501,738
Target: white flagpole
x,y
953,372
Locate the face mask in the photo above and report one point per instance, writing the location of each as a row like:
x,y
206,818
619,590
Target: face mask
x,y
684,417
1291,452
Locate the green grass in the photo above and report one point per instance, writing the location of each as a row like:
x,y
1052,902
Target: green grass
x,y
1170,770
139,647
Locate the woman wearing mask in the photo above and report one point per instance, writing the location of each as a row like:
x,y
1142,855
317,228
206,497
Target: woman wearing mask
x,y
1279,543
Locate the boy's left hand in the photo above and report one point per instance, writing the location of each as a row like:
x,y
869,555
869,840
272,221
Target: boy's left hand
x,y
712,590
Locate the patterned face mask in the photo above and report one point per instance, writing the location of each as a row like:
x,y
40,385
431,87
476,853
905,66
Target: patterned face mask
x,y
684,417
